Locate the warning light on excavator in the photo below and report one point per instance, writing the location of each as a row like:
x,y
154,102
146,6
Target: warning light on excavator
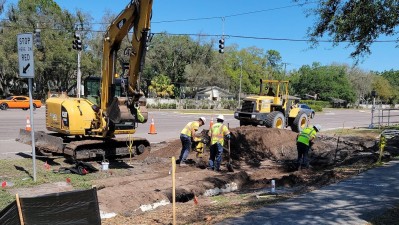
x,y
221,45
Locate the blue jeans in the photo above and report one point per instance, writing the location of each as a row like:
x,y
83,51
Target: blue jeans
x,y
215,157
186,145
303,152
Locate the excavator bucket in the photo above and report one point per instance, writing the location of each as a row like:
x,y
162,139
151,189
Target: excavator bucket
x,y
43,141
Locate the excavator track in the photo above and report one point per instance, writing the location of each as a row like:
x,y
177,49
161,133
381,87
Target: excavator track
x,y
86,148
108,148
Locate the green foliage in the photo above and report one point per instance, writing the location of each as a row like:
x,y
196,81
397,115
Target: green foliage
x,y
392,77
250,65
317,105
161,86
383,88
162,106
325,81
55,63
358,22
185,61
5,198
361,82
229,104
189,104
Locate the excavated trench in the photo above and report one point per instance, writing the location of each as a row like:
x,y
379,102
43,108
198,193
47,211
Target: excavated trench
x,y
259,155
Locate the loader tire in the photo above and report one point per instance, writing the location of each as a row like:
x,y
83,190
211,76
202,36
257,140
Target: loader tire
x,y
275,119
300,122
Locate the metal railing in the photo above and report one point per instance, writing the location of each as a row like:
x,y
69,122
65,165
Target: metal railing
x,y
384,117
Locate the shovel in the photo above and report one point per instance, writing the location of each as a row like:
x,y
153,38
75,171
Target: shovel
x,y
228,164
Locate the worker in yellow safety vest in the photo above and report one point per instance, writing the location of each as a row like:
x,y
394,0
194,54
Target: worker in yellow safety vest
x,y
218,132
304,143
186,136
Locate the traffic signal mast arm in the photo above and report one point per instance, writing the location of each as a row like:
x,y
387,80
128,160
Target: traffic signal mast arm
x,y
137,14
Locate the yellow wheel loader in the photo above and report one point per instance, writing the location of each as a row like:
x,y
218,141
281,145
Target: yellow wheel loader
x,y
83,129
273,108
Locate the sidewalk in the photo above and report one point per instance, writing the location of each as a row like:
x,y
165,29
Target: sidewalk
x,y
353,201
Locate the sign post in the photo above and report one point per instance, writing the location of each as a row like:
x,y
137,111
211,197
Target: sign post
x,y
27,70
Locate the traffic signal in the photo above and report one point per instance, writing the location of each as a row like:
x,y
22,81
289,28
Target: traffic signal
x,y
77,43
221,45
37,39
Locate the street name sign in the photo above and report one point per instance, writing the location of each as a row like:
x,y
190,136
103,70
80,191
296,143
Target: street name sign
x,y
25,55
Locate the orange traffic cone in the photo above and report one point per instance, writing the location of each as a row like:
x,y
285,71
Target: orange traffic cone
x,y
28,128
211,123
152,127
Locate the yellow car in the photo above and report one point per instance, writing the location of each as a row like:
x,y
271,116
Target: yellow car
x,y
18,102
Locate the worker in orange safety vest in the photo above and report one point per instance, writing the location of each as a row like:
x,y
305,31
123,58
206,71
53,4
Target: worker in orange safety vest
x,y
218,132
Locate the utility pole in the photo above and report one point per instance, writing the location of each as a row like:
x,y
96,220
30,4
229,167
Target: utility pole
x,y
239,93
77,45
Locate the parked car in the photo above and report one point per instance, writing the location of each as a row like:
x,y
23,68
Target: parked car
x,y
309,111
18,102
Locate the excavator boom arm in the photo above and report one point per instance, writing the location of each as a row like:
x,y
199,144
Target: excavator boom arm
x,y
136,15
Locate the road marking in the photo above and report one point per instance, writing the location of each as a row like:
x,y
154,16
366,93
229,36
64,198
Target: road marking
x,y
7,140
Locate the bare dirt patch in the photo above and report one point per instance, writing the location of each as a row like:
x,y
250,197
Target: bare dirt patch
x,y
259,156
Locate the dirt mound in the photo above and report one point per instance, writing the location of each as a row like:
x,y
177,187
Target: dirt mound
x,y
253,145
259,143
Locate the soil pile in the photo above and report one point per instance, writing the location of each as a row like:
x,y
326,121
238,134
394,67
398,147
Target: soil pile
x,y
255,144
258,143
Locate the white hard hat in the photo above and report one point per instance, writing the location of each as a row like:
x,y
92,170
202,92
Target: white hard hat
x,y
203,119
317,127
220,117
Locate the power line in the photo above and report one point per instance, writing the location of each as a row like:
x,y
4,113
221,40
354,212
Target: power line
x,y
217,35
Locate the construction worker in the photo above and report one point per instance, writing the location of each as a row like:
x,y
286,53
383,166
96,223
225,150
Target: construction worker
x,y
304,143
217,133
186,136
270,92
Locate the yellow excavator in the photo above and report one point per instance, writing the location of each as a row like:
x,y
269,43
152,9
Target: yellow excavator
x,y
82,129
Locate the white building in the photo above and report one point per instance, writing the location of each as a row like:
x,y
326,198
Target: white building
x,y
213,93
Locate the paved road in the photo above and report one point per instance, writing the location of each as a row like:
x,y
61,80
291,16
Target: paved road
x,y
168,125
353,201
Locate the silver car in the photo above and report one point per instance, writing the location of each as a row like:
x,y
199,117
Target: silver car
x,y
309,111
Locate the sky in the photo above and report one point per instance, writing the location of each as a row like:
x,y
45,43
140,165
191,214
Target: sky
x,y
263,19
